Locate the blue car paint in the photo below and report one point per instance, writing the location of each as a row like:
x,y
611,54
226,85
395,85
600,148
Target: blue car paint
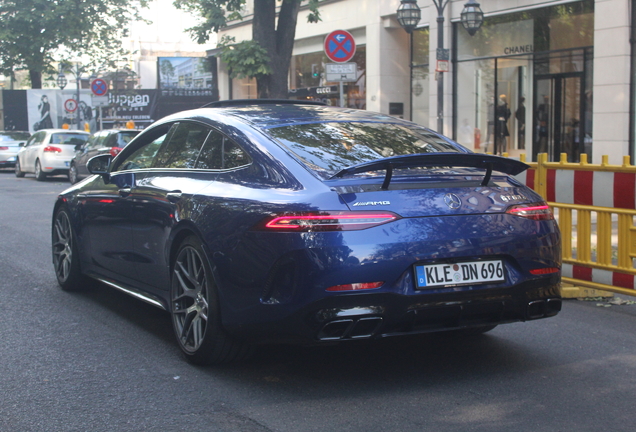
x,y
223,209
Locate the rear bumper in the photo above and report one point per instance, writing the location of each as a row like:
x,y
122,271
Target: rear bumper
x,y
55,163
369,316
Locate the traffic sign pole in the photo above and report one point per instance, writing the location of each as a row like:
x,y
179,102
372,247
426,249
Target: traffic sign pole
x,y
340,47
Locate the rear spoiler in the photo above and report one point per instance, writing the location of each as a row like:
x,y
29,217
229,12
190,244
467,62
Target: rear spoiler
x,y
465,160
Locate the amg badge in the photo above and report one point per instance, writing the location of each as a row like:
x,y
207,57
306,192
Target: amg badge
x,y
371,203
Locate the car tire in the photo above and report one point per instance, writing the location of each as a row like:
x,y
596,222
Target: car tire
x,y
72,174
18,169
39,174
65,253
194,306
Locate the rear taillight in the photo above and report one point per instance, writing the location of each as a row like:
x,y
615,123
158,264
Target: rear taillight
x,y
326,221
537,211
52,149
544,271
114,151
4,148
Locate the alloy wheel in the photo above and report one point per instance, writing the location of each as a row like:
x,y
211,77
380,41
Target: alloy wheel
x,y
18,169
190,299
72,174
62,246
39,174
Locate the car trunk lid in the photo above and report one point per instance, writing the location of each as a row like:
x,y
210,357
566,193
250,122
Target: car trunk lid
x,y
433,185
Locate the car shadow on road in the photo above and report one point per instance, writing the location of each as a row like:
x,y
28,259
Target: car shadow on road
x,y
410,361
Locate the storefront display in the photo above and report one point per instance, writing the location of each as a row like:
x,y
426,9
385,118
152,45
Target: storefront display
x,y
524,82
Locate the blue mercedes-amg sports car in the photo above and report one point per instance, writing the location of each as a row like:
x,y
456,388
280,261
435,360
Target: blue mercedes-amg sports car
x,y
283,221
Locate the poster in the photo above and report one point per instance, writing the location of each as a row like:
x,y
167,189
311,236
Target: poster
x,y
187,76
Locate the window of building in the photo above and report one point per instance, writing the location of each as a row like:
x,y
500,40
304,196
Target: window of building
x,y
308,80
420,76
524,82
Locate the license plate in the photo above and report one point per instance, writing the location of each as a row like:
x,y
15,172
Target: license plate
x,y
464,273
66,162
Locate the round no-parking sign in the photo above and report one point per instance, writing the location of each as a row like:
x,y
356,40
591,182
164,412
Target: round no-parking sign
x,y
340,46
70,105
99,87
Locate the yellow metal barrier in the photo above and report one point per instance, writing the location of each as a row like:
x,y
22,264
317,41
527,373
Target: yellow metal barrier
x,y
595,208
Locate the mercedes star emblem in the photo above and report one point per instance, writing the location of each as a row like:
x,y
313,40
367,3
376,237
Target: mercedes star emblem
x,y
452,201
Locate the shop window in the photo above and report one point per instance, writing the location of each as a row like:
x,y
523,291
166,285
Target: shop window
x,y
420,77
524,82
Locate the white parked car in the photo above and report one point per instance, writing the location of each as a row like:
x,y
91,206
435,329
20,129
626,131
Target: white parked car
x,y
10,143
48,152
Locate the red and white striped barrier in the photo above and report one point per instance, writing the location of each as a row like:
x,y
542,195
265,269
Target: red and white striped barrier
x,y
599,276
527,177
592,188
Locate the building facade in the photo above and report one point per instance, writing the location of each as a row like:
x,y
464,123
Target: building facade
x,y
539,76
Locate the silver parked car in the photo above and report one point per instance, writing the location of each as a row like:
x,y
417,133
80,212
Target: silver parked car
x,y
49,152
10,143
110,141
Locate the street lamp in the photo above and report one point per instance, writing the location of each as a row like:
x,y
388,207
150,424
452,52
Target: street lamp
x,y
409,15
472,17
62,81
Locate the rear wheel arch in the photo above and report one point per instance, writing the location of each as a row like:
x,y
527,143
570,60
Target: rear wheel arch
x,y
179,234
195,307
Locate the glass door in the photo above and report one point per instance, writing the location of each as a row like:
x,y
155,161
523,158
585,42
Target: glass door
x,y
559,116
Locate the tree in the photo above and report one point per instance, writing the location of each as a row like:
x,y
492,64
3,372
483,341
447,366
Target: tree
x,y
33,31
167,72
268,55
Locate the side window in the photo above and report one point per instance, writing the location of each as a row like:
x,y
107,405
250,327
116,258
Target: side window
x,y
35,139
89,142
183,147
211,157
109,140
99,141
143,156
221,153
92,142
233,155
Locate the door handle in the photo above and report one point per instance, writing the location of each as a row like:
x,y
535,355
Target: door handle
x,y
174,196
124,192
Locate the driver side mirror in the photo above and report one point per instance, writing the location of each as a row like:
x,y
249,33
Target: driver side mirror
x,y
100,165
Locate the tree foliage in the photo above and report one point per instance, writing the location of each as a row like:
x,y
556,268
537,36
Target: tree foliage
x,y
244,60
267,56
34,32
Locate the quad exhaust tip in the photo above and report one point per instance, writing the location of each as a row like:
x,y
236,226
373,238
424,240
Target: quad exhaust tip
x,y
352,328
543,308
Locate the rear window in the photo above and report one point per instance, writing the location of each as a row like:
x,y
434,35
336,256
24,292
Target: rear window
x,y
329,147
14,136
67,138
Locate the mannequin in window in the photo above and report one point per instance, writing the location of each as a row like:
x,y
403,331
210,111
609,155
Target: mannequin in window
x,y
520,115
502,114
542,119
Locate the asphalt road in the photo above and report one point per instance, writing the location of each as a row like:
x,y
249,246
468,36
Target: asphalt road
x,y
102,361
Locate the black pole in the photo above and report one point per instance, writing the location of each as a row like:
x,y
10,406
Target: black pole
x,y
77,80
440,5
440,75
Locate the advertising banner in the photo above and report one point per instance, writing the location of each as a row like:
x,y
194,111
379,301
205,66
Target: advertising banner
x,y
187,76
